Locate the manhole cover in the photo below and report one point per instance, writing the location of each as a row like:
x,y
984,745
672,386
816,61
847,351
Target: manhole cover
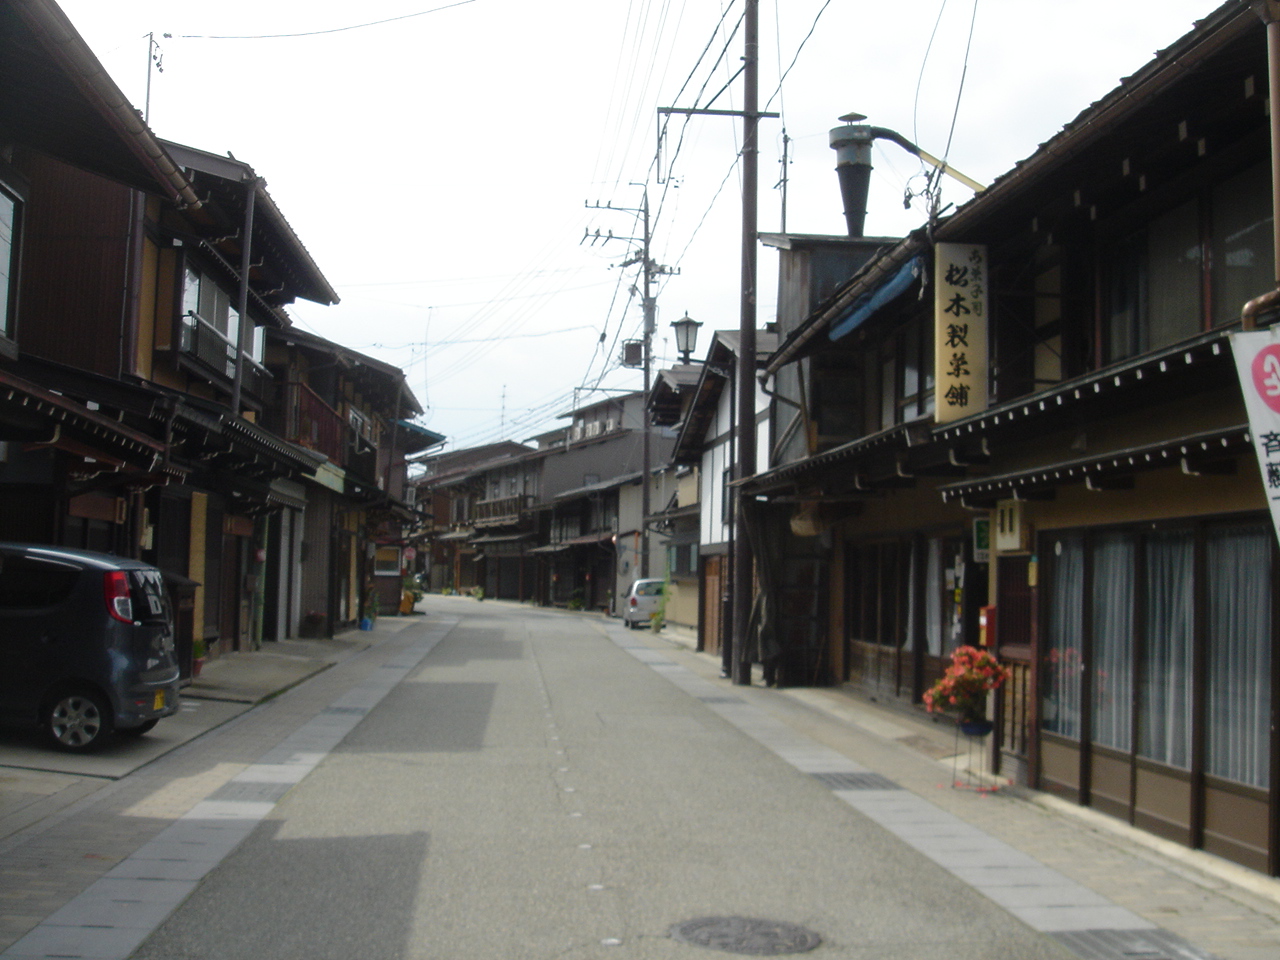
x,y
757,938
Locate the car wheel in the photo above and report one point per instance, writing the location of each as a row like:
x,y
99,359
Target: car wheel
x,y
145,727
78,721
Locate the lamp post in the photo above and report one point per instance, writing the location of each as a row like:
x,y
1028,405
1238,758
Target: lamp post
x,y
686,329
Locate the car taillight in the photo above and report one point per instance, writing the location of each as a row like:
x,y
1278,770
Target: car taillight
x,y
633,602
115,589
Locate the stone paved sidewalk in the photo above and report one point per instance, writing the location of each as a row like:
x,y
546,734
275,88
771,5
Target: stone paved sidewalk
x,y
1223,909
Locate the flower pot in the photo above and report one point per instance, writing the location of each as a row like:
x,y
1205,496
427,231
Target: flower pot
x,y
976,728
197,664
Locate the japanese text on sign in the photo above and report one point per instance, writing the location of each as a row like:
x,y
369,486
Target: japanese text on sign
x,y
1257,356
960,330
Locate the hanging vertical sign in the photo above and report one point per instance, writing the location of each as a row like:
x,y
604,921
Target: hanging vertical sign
x,y
1257,355
960,330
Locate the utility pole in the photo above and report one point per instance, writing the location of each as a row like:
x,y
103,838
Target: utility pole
x,y
743,579
648,270
744,382
650,311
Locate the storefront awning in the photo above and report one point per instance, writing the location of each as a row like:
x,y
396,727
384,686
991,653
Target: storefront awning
x,y
588,540
869,304
1194,454
453,536
503,538
30,413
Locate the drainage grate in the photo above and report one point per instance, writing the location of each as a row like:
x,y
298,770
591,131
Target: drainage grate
x,y
757,938
250,792
714,699
1130,945
345,710
855,781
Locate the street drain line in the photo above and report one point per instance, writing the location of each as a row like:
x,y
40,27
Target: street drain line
x,y
1130,945
855,781
743,935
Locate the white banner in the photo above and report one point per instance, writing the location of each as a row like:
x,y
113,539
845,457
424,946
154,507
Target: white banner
x,y
1257,355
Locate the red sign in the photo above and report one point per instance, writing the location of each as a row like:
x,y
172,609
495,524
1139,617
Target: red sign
x,y
1266,375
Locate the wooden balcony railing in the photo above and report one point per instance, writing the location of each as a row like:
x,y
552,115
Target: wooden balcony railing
x,y
501,509
312,423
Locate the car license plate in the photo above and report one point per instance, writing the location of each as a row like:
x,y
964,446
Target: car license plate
x,y
159,705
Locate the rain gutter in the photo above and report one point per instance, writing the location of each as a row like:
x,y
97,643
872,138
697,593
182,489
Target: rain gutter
x,y
51,25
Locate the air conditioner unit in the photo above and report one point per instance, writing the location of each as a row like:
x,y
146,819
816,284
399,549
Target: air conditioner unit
x,y
361,424
593,429
610,426
577,431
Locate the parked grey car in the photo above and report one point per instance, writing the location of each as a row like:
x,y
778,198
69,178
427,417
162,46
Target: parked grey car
x,y
643,600
86,644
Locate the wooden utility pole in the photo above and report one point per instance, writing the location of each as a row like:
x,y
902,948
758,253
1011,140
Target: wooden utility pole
x,y
743,575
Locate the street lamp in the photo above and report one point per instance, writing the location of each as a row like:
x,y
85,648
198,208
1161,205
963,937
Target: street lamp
x,y
686,329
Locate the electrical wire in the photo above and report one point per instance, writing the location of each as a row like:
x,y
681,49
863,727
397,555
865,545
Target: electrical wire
x,y
799,50
737,162
317,33
932,191
915,110
964,72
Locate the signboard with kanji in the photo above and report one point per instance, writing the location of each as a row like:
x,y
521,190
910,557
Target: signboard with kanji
x,y
960,330
1257,355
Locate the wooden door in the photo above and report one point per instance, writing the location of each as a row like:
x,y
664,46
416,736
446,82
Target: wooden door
x,y
712,616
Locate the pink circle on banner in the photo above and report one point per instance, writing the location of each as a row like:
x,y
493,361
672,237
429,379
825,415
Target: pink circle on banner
x,y
1266,375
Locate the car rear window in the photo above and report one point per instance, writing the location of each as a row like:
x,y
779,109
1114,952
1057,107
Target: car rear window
x,y
27,582
150,601
651,589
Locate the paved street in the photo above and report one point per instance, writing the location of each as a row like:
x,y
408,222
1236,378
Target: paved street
x,y
497,781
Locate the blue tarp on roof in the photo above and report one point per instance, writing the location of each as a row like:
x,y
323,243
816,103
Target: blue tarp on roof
x,y
867,305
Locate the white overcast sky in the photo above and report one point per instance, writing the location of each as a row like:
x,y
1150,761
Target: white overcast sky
x,y
439,166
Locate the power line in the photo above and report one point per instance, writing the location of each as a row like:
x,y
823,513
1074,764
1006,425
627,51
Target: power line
x,y
812,28
316,33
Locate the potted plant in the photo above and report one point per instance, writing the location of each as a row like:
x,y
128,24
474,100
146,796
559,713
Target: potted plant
x,y
197,657
963,688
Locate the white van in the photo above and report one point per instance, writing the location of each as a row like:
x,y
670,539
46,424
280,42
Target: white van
x,y
644,599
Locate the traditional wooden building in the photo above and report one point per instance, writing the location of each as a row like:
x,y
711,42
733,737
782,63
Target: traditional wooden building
x,y
1038,419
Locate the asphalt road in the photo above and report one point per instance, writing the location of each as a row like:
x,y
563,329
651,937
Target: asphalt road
x,y
532,785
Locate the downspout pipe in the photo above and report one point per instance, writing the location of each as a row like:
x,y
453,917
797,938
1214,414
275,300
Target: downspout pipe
x,y
242,300
1269,11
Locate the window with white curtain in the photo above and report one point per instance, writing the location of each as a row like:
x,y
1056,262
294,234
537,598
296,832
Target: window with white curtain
x,y
1238,699
1219,604
1113,555
933,587
909,640
1061,708
1165,718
